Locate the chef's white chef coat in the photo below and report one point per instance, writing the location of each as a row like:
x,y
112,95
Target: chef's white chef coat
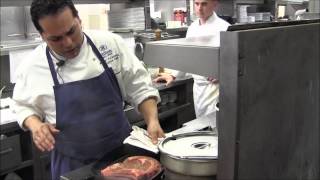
x,y
206,93
33,92
210,31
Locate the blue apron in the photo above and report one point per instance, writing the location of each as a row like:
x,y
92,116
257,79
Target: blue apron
x,y
90,117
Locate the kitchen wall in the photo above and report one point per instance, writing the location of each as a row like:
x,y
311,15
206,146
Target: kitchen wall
x,y
166,7
94,16
226,8
314,6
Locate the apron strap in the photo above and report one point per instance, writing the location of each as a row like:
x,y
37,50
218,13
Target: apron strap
x,y
95,50
104,64
51,66
97,53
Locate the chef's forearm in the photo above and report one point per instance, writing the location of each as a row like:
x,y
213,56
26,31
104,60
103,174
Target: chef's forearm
x,y
31,122
148,108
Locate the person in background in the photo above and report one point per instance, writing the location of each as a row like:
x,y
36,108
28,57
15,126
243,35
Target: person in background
x,y
69,92
206,29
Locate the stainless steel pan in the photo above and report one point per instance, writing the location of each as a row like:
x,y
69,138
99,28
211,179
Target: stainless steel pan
x,y
192,164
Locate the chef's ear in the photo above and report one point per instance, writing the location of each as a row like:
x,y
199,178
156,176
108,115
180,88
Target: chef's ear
x,y
43,36
80,21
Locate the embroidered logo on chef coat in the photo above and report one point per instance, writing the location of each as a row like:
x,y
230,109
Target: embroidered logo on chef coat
x,y
109,56
103,48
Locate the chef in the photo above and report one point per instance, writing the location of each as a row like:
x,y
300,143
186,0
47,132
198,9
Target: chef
x,y
205,29
70,90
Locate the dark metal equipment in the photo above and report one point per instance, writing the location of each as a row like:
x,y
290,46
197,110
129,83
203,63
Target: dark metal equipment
x,y
269,103
269,97
142,38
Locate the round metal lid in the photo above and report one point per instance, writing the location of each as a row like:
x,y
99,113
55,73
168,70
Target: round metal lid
x,y
195,145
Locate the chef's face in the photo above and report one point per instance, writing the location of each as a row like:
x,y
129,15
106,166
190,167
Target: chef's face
x,y
204,8
62,32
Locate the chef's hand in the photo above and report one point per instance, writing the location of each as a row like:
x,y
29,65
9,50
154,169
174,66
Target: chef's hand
x,y
155,131
213,80
168,78
42,133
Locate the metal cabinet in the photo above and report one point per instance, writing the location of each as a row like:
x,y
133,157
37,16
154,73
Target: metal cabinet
x,y
10,152
19,157
12,23
16,157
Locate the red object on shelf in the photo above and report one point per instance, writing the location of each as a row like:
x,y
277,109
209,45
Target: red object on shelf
x,y
180,15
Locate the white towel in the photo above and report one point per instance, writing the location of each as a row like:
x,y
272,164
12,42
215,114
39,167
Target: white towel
x,y
139,137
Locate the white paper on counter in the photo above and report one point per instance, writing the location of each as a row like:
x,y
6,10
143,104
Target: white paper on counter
x,y
197,124
6,113
16,57
7,116
208,120
139,137
4,102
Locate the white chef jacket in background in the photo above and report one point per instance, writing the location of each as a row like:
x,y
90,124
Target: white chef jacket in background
x,y
205,93
33,92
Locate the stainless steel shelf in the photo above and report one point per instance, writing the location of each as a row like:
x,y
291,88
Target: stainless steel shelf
x,y
7,46
184,55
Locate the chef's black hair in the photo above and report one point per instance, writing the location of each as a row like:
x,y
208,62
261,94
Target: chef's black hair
x,y
42,8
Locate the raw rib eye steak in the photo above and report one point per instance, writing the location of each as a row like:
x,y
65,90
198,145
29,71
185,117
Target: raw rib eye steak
x,y
133,168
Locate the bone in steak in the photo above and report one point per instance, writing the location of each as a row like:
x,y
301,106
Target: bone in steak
x,y
133,168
